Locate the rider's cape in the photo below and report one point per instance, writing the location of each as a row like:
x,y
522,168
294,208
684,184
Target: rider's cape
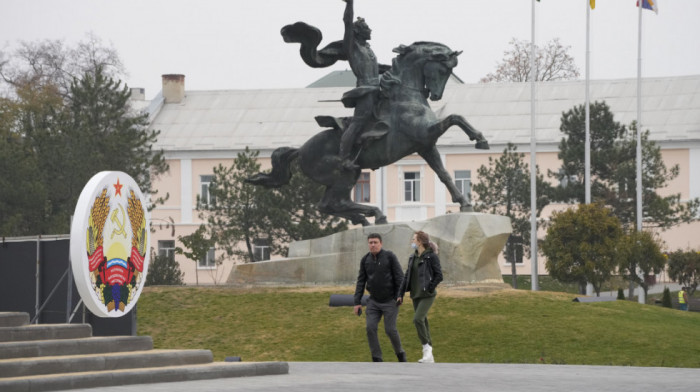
x,y
309,37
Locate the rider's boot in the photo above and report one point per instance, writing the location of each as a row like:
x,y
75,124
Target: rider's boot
x,y
346,161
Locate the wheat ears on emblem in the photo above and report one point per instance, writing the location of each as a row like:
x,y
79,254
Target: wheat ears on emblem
x,y
98,218
135,211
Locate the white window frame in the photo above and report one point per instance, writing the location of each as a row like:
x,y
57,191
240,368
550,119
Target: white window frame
x,y
205,196
414,187
165,250
463,181
209,261
362,188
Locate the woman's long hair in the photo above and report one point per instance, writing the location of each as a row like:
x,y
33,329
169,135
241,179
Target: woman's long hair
x,y
424,239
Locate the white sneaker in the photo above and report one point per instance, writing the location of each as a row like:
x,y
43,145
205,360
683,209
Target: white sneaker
x,y
427,354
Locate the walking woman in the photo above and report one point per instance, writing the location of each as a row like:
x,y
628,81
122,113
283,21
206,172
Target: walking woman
x,y
421,278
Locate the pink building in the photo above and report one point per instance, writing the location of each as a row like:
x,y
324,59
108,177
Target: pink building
x,y
200,129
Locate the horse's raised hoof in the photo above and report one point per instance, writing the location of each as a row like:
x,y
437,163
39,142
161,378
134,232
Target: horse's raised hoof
x,y
467,208
482,145
381,221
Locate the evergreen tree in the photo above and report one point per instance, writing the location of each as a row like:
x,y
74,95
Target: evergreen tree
x,y
504,189
242,213
95,131
164,271
22,193
666,299
613,170
119,139
238,213
65,119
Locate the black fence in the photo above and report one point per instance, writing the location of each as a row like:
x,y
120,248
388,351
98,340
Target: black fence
x,y
35,278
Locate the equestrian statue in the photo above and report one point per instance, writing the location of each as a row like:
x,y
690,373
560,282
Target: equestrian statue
x,y
392,118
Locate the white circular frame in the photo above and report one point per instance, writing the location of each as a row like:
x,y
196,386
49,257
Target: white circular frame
x,y
118,186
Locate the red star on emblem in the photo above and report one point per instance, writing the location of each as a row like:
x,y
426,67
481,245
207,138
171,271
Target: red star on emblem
x,y
118,188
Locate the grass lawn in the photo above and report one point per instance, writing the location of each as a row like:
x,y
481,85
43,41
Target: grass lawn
x,y
509,326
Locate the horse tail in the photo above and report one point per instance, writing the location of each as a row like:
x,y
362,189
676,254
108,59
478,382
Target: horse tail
x,y
281,171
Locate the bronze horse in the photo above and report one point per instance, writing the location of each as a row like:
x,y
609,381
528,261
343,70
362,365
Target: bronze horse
x,y
405,125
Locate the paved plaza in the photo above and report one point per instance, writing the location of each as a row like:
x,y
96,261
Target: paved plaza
x,y
442,377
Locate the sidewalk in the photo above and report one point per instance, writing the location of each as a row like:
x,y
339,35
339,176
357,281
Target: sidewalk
x,y
655,289
443,377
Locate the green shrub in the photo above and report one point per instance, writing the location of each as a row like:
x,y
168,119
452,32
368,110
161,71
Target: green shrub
x,y
620,294
164,270
666,299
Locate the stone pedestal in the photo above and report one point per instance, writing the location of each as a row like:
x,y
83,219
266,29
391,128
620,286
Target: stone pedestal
x,y
469,247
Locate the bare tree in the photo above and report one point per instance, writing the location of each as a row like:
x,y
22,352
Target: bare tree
x,y
553,62
52,62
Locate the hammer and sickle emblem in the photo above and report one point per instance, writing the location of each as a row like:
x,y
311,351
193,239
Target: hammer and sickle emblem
x,y
117,222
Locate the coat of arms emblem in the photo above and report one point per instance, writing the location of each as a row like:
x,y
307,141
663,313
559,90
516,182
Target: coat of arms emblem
x,y
109,244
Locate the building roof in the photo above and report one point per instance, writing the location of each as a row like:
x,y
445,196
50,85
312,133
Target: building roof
x,y
347,79
335,79
230,120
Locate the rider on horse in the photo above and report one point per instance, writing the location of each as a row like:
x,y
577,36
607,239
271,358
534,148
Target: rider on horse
x,y
355,49
363,98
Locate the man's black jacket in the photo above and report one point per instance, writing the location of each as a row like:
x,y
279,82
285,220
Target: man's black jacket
x,y
382,276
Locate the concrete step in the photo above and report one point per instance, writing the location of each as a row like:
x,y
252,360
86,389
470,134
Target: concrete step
x,y
94,345
142,376
23,367
13,319
45,332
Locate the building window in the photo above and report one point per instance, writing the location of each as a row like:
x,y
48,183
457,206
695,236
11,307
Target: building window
x,y
209,261
261,249
463,180
411,186
206,197
361,192
166,248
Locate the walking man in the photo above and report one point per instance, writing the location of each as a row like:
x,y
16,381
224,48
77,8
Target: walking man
x,y
380,273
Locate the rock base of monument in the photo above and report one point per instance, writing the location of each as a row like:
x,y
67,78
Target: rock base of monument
x,y
469,245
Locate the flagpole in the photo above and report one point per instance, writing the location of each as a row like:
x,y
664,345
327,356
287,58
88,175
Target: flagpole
x,y
640,295
533,162
587,148
587,165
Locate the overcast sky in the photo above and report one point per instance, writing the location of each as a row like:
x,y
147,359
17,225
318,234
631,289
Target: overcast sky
x,y
233,44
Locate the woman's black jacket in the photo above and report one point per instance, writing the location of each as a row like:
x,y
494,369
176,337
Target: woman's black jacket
x,y
429,272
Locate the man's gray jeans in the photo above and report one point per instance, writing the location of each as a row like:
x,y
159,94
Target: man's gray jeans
x,y
390,311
